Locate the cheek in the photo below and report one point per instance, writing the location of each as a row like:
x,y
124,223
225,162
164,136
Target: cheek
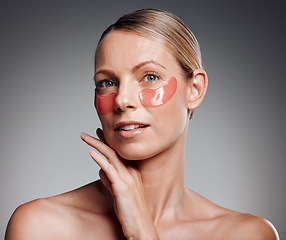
x,y
159,96
104,104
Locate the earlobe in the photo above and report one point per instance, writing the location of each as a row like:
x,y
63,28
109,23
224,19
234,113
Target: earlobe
x,y
197,88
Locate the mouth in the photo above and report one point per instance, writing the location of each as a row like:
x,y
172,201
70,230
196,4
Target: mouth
x,y
130,129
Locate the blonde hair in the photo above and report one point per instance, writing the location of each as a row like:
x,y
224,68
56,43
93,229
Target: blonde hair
x,y
167,28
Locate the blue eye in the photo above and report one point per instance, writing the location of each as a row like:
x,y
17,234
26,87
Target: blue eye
x,y
106,84
151,78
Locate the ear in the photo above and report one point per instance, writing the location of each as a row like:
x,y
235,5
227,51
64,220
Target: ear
x,y
197,87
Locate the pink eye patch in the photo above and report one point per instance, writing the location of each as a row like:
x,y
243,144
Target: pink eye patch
x,y
159,96
148,97
104,104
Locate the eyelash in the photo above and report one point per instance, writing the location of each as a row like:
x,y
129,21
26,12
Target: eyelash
x,y
152,73
100,83
146,74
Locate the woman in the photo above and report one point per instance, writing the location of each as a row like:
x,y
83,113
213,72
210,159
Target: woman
x,y
149,80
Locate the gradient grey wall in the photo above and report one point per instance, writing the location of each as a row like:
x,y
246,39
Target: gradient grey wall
x,y
236,145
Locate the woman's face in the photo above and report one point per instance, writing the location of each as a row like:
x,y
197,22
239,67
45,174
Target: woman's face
x,y
127,67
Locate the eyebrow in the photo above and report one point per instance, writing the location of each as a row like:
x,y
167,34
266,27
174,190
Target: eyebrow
x,y
106,72
134,69
140,65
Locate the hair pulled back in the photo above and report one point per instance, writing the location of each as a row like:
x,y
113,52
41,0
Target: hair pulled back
x,y
166,28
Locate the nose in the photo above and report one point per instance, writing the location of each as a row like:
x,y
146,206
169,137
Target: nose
x,y
127,97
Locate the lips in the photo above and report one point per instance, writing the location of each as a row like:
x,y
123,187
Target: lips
x,y
130,129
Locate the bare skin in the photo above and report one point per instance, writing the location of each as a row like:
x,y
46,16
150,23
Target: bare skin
x,y
141,194
87,213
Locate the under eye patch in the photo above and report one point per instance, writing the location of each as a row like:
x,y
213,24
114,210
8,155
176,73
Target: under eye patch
x,y
159,96
148,97
104,104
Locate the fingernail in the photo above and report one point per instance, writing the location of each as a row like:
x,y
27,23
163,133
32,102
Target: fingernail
x,y
92,153
83,135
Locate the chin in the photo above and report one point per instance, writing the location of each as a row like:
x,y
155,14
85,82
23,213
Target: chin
x,y
134,155
140,152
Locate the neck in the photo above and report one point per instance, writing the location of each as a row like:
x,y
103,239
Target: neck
x,y
163,178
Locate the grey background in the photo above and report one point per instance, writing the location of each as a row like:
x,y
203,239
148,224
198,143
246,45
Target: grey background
x,y
236,145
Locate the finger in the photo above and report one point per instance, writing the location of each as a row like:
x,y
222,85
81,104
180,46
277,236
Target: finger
x,y
105,181
108,169
94,142
121,165
105,150
104,178
98,144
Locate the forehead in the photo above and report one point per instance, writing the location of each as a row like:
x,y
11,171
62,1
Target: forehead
x,y
126,49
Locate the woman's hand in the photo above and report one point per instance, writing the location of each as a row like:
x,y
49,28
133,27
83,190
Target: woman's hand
x,y
124,183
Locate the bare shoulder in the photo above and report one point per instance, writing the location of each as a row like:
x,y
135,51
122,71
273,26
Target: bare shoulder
x,y
60,217
28,220
217,222
246,226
